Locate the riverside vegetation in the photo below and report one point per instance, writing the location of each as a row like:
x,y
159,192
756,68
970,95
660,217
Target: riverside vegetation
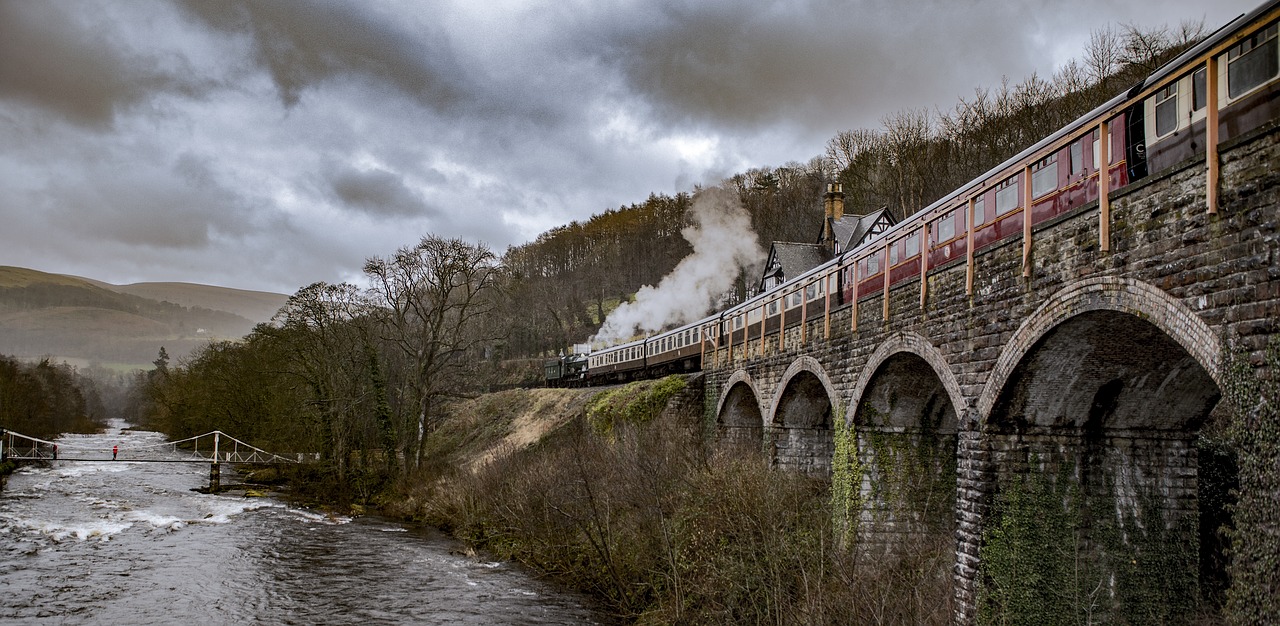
x,y
628,499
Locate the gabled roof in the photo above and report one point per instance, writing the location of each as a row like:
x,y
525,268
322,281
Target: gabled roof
x,y
852,230
792,259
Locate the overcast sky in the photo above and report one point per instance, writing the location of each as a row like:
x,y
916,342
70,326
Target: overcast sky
x,y
270,144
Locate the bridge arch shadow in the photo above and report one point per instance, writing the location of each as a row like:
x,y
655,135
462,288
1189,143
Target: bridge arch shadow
x,y
802,418
1092,418
739,420
904,415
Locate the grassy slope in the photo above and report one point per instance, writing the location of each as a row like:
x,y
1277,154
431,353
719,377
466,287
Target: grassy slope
x,y
497,424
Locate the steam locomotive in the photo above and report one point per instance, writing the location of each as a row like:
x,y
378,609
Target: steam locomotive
x,y
1222,90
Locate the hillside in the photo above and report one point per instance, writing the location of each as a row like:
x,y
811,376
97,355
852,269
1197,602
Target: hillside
x,y
87,321
258,306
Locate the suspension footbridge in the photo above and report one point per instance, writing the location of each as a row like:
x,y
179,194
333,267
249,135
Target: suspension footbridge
x,y
213,448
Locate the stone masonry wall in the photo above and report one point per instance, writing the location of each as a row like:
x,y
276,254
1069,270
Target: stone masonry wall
x,y
1201,279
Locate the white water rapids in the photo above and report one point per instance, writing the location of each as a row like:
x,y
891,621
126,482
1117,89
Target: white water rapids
x,y
131,543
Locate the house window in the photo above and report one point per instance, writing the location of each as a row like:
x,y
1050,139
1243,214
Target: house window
x,y
1252,62
1167,110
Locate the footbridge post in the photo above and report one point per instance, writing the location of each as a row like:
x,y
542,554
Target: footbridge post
x,y
215,472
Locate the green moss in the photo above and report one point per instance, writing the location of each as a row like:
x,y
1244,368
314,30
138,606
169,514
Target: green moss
x,y
1054,555
635,403
1254,431
846,480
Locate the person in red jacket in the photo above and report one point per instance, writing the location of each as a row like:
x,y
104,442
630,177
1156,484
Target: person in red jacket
x,y
114,450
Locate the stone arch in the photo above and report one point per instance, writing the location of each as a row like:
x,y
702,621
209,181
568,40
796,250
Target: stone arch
x,y
1107,293
909,343
801,365
1090,418
739,419
904,419
800,419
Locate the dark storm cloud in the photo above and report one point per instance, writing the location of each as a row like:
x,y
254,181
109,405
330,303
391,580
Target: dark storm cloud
x,y
376,192
273,143
808,62
305,43
66,58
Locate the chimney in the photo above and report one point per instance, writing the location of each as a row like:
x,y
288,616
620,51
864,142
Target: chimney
x,y
833,207
835,195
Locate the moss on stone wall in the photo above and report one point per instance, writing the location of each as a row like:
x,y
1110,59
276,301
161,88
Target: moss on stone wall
x,y
846,479
1053,554
1251,392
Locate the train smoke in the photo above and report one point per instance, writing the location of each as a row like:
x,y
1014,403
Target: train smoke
x,y
723,244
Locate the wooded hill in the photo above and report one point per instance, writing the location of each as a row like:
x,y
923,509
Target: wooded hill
x,y
563,283
87,321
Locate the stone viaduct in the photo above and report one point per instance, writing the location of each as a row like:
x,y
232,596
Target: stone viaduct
x,y
1094,375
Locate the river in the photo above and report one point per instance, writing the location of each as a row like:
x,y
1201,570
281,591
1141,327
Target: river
x,y
131,543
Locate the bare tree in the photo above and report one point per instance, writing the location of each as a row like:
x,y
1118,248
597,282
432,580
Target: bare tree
x,y
432,303
1103,54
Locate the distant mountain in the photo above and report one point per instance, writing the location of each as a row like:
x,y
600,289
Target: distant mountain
x,y
87,321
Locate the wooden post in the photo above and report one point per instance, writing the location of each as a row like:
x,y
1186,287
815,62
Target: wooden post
x,y
1211,134
968,268
1026,221
804,314
730,341
1104,186
702,347
782,324
924,263
853,317
764,318
826,314
715,340
885,313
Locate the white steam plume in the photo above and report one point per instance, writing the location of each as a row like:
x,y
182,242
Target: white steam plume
x,y
723,243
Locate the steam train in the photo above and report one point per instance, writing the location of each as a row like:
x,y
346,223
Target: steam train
x,y
1221,90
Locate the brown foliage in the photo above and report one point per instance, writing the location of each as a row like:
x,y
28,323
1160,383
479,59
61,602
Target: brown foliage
x,y
664,531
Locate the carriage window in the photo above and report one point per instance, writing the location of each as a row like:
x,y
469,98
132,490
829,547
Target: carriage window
x,y
913,242
893,254
870,265
1044,177
945,228
979,210
1007,196
1077,158
1167,110
1199,97
1252,62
